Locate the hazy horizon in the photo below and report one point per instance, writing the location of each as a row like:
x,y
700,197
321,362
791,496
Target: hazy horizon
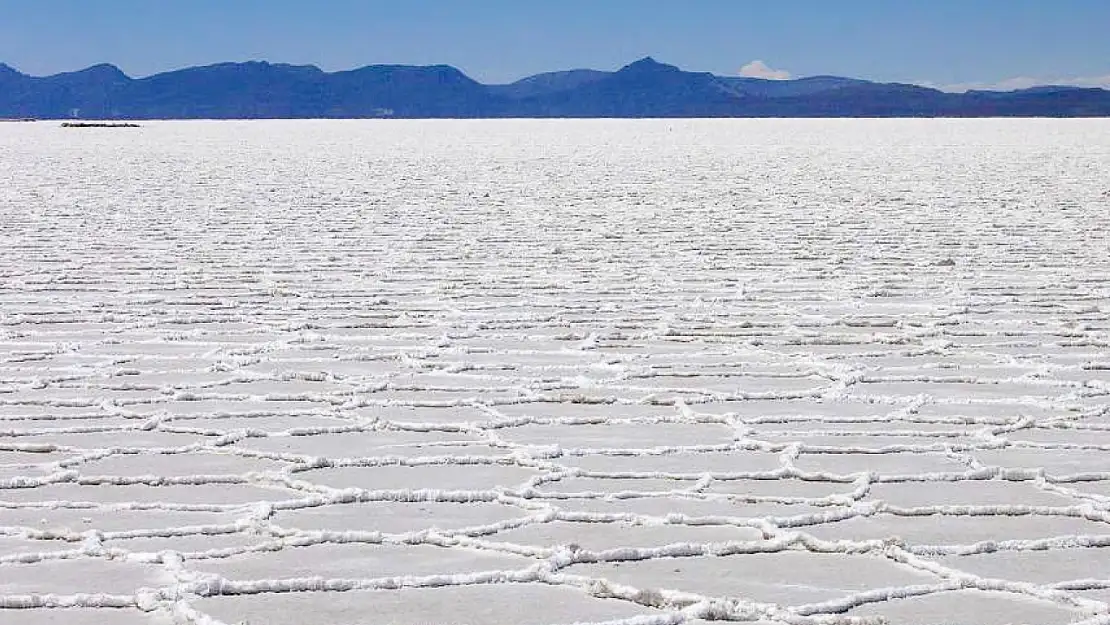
x,y
945,44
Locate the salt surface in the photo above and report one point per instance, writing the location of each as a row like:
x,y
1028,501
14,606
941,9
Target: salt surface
x,y
637,372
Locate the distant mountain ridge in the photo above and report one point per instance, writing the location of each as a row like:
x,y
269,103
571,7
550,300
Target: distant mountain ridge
x,y
645,88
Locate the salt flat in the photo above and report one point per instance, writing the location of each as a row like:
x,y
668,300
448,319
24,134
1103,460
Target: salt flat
x,y
553,372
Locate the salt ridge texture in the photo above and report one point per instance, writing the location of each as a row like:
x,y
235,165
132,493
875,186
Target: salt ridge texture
x,y
634,372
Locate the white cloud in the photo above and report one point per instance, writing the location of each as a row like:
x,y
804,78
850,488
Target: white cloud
x,y
759,69
1022,82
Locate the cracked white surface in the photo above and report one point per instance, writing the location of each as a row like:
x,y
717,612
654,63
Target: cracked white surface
x,y
639,372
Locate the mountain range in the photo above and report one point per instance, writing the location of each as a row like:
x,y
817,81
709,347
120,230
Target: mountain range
x,y
645,88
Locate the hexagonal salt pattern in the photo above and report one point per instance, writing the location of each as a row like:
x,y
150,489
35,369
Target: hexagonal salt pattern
x,y
636,372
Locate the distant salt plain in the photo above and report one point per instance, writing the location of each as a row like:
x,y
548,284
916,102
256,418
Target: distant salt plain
x,y
552,372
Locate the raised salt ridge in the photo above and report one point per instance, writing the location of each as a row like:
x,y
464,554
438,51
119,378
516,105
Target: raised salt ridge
x,y
635,373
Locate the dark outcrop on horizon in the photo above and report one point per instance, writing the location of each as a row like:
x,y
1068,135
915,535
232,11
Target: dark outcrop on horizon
x,y
645,88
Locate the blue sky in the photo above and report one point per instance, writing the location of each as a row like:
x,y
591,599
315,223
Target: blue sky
x,y
939,42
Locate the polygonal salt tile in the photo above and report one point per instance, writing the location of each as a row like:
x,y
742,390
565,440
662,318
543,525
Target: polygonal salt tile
x,y
785,488
190,543
397,517
282,389
1101,594
13,545
884,464
793,428
964,392
226,407
260,423
945,530
389,443
83,616
346,369
794,408
18,457
877,442
570,409
621,535
79,520
1055,462
619,435
422,477
993,410
965,493
786,578
178,465
191,494
34,412
601,486
428,396
1098,488
1060,436
663,507
1038,567
129,439
358,561
489,604
84,575
52,426
735,461
11,472
181,379
970,606
714,385
421,414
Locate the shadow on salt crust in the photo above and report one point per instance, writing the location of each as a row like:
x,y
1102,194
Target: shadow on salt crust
x,y
970,607
788,578
485,604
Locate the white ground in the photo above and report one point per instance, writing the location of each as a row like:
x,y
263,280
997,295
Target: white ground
x,y
641,372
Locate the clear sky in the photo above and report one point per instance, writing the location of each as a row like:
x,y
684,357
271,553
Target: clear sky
x,y
940,42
